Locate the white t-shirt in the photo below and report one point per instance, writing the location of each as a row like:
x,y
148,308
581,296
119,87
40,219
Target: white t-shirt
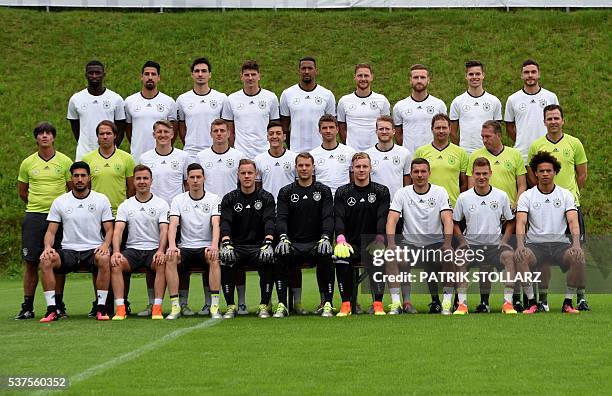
x,y
81,219
472,112
415,119
483,215
546,214
169,172
305,109
195,218
90,110
143,220
275,172
251,115
198,112
142,113
527,112
421,213
360,114
220,170
390,167
333,167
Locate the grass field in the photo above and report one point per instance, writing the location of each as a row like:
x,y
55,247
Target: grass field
x,y
43,56
547,353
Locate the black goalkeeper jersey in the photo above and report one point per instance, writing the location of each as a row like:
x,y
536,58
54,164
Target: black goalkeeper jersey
x,y
361,211
247,218
305,213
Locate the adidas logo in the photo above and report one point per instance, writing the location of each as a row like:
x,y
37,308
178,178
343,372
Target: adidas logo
x,y
547,200
219,160
202,101
385,158
248,206
476,104
419,108
107,165
483,203
95,101
305,197
164,162
421,201
532,100
47,167
555,150
307,96
142,209
277,164
251,102
362,200
331,156
496,162
440,157
149,105
80,206
363,103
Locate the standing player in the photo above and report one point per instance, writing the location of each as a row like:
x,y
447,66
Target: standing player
x,y
82,213
390,162
332,159
43,176
93,104
568,150
484,208
198,108
275,167
146,218
413,115
507,166
112,169
301,106
358,111
543,214
249,111
427,226
305,223
360,210
144,108
470,109
447,160
197,213
523,116
247,233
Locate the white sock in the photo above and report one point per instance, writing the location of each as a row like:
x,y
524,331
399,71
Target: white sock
x,y
151,293
157,301
528,289
297,295
447,294
214,299
462,295
102,294
395,295
570,292
406,288
207,296
241,294
50,297
119,301
508,291
184,296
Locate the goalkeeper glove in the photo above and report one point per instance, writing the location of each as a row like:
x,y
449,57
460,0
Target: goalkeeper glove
x,y
324,247
284,246
377,244
227,253
343,249
266,253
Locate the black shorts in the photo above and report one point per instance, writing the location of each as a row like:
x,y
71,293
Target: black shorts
x,y
488,256
73,260
305,253
139,258
247,255
33,229
550,253
193,258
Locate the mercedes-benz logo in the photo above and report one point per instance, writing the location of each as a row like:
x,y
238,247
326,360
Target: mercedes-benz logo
x,y
238,207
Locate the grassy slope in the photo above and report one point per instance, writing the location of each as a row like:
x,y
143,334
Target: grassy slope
x,y
423,354
44,55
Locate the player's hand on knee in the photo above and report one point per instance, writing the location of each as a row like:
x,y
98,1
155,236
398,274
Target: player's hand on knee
x,y
116,259
324,247
576,253
173,251
284,246
520,254
377,244
47,253
343,249
102,250
211,253
266,252
227,253
159,259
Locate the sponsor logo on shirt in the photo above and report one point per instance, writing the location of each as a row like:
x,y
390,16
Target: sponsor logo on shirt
x,y
351,201
238,207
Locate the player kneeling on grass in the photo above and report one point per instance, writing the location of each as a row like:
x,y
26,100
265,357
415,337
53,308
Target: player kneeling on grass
x,y
247,233
304,221
82,213
484,207
146,218
543,214
197,212
360,210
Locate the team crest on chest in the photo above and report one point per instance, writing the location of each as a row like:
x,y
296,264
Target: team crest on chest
x,y
206,208
262,104
106,104
451,160
152,212
494,205
257,205
486,106
566,152
318,100
371,197
160,107
174,165
295,198
316,196
373,105
542,102
557,203
508,165
117,167
229,162
430,109
287,166
213,104
342,158
396,160
91,207
431,202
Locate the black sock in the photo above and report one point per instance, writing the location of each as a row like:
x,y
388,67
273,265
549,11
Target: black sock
x,y
580,296
525,299
516,298
567,301
378,297
484,298
543,297
51,308
345,281
28,303
266,284
228,283
282,274
174,295
531,302
59,300
435,298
